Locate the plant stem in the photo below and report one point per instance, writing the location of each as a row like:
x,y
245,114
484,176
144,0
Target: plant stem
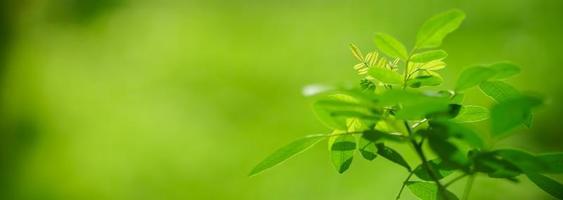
x,y
426,166
468,187
404,184
455,180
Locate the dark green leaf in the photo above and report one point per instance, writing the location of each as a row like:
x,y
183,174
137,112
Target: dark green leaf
x,y
428,56
504,70
554,162
437,166
448,129
547,184
510,113
342,149
471,113
367,149
392,155
495,166
450,154
386,75
390,46
473,76
428,191
435,29
428,78
287,152
524,161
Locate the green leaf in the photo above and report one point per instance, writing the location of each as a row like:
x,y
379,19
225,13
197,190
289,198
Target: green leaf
x,y
433,65
547,184
554,162
504,70
367,149
510,113
428,191
356,52
495,166
435,29
473,76
471,113
437,166
386,75
498,91
390,46
523,160
427,78
287,152
450,154
392,155
413,105
428,56
342,149
334,109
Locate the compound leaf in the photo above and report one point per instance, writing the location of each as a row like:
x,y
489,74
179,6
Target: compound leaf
x,y
287,152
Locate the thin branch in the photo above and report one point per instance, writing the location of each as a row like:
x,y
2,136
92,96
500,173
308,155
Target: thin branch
x,y
468,187
454,180
404,184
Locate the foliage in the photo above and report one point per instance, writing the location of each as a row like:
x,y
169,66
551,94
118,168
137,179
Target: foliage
x,y
393,105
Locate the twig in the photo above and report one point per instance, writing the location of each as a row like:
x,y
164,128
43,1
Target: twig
x,y
404,184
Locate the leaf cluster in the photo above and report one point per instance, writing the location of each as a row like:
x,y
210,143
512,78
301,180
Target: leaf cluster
x,y
395,104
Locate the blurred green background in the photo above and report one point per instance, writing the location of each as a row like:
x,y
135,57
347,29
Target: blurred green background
x,y
126,99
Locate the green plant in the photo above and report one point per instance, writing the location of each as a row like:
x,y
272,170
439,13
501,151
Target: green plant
x,y
392,106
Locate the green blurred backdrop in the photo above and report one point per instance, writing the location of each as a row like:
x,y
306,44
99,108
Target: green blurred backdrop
x,y
126,99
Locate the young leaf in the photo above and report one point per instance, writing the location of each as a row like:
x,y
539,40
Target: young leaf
x,y
433,65
435,29
547,184
428,191
473,76
428,56
471,113
437,166
386,75
357,53
287,152
392,155
390,46
504,70
554,162
342,149
510,113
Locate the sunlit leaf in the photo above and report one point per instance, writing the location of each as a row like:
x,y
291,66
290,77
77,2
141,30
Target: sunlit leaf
x,y
392,155
437,166
342,149
335,108
435,29
428,191
356,52
390,46
471,113
547,184
287,152
427,78
428,56
473,76
510,113
500,91
433,65
367,148
386,75
504,70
